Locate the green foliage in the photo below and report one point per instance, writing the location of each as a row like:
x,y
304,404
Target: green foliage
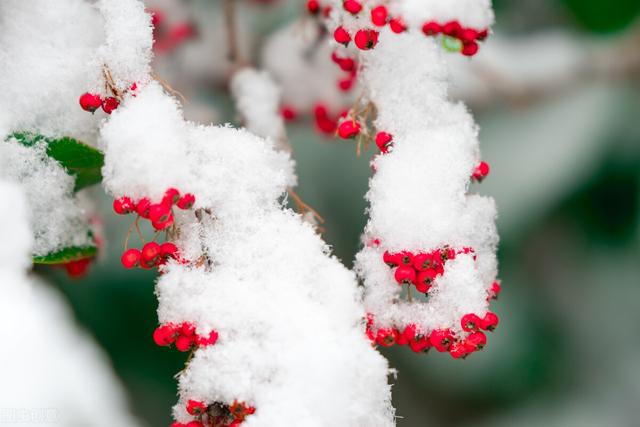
x,y
79,159
67,255
603,16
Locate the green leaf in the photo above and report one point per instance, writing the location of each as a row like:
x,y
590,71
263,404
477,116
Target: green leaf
x,y
79,159
67,255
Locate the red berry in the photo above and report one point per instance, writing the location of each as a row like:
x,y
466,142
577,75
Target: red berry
x,y
470,48
441,339
431,28
423,261
194,424
420,343
288,113
142,208
123,205
169,250
352,6
341,36
458,350
470,322
211,339
489,321
424,280
397,25
131,258
195,407
187,329
186,201
384,141
159,212
162,225
451,28
349,129
184,343
346,84
482,35
110,104
476,341
468,35
77,268
401,338
405,258
346,64
390,259
405,274
386,337
171,197
164,335
481,171
313,6
496,287
90,102
366,39
379,16
151,253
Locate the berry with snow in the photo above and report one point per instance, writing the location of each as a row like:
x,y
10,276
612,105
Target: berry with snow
x,y
90,102
366,39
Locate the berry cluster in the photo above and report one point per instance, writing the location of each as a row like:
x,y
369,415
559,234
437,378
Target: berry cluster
x,y
91,102
184,336
161,216
443,340
371,17
216,414
420,269
350,67
457,38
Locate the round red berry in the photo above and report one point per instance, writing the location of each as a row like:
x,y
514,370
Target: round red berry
x,y
186,201
386,337
366,39
431,28
476,341
195,407
184,343
384,141
151,252
458,350
159,212
169,250
123,205
424,280
470,48
468,35
379,15
405,274
451,28
342,36
470,322
352,6
390,259
171,197
397,25
164,335
77,268
313,6
110,104
211,339
489,321
441,339
131,258
90,102
349,129
142,208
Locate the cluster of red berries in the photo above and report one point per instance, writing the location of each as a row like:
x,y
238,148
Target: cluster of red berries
x,y
469,37
420,269
167,38
480,172
349,66
184,336
216,414
443,340
152,255
91,102
159,214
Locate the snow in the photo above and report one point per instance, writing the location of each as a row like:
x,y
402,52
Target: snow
x,y
45,351
56,218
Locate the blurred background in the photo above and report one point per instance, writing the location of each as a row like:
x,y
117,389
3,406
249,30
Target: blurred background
x,y
559,111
